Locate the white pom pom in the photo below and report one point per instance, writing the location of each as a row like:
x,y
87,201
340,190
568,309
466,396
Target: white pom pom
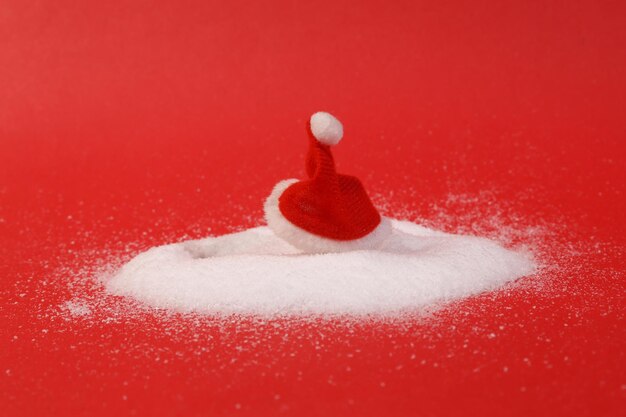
x,y
326,128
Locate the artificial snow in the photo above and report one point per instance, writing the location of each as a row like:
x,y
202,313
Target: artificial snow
x,y
256,272
77,308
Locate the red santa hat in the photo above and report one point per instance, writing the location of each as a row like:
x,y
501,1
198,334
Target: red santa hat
x,y
329,212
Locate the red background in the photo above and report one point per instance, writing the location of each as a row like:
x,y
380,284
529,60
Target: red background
x,y
129,124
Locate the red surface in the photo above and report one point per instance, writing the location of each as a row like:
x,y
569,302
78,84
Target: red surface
x,y
328,204
129,124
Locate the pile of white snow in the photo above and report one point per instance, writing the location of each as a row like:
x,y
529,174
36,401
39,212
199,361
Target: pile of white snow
x,y
255,272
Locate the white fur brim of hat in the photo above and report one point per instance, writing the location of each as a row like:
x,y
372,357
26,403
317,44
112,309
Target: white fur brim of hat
x,y
311,243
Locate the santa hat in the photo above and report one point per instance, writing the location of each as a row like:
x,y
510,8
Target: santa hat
x,y
329,212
